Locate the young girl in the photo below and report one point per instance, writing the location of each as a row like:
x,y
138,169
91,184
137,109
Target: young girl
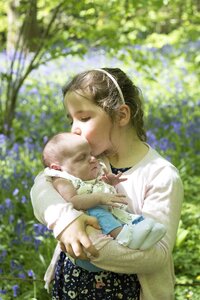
x,y
105,108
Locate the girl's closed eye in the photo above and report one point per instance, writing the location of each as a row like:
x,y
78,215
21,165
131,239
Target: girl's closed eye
x,y
85,119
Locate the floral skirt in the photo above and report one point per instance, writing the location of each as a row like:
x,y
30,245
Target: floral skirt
x,y
73,282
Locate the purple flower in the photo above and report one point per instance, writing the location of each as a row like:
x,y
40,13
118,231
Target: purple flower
x,y
45,139
27,238
31,274
15,289
22,275
33,91
3,138
2,209
40,230
20,227
16,147
151,138
11,218
164,144
23,200
3,292
15,192
3,255
8,203
14,265
37,243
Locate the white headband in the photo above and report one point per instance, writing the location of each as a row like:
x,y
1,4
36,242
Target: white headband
x,y
115,83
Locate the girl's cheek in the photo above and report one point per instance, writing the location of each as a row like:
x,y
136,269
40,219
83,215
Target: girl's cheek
x,y
86,132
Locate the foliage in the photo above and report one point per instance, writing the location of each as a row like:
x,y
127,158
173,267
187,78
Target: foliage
x,y
51,29
170,89
129,22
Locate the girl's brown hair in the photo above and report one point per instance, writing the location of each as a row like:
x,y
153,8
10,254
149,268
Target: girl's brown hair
x,y
104,93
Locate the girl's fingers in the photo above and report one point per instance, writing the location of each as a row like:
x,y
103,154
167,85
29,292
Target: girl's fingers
x,y
69,250
89,248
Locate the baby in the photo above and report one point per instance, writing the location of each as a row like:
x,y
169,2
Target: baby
x,y
83,180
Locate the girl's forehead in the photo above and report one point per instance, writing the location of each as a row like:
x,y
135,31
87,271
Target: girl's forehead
x,y
75,105
77,96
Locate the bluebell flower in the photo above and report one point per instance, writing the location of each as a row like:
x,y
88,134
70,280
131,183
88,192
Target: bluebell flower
x,y
22,275
176,127
164,144
15,289
11,218
45,139
167,49
151,139
15,192
20,227
23,199
3,255
32,118
8,203
16,149
27,238
37,243
3,139
2,209
15,265
40,229
31,274
34,91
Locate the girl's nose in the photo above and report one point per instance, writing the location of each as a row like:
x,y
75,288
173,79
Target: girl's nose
x,y
76,130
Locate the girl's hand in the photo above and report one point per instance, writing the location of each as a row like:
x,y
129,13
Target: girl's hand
x,y
74,239
112,179
113,200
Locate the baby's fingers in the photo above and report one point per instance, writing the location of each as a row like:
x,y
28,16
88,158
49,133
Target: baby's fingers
x,y
118,177
118,199
122,179
122,196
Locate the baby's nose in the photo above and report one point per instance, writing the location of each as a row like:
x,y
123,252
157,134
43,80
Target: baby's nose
x,y
93,159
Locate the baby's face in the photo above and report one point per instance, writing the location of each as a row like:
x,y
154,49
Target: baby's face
x,y
79,162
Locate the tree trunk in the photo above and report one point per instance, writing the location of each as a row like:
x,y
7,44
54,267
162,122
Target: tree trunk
x,y
13,24
22,12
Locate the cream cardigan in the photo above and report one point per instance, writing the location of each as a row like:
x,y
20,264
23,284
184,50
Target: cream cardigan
x,y
155,190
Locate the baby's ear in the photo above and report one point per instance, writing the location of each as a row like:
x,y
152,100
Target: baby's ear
x,y
55,167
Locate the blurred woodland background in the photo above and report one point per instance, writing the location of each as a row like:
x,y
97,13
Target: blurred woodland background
x,y
43,43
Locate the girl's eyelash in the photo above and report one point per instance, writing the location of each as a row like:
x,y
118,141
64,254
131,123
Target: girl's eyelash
x,y
85,119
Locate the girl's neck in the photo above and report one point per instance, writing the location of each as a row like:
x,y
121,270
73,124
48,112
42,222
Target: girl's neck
x,y
130,151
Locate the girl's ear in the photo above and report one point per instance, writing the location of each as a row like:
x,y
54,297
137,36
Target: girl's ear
x,y
124,115
55,167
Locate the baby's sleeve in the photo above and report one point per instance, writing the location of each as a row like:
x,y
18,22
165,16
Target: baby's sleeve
x,y
49,207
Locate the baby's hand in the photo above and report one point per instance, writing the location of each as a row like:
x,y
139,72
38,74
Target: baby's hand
x,y
112,179
113,200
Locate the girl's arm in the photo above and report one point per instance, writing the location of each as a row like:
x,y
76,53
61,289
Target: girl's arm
x,y
52,210
163,200
163,203
85,201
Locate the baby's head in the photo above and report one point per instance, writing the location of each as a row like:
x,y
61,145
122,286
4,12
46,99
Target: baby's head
x,y
71,153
